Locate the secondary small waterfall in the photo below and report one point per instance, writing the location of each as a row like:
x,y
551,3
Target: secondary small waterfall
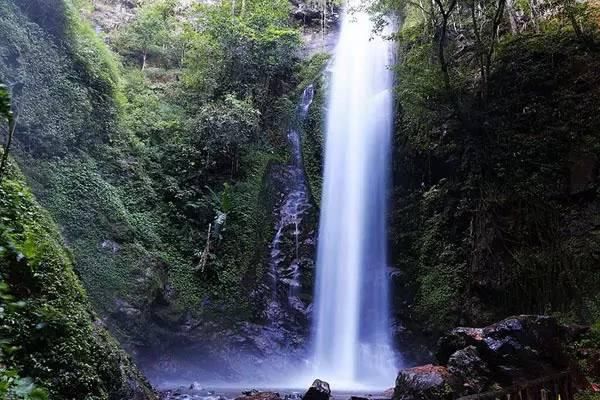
x,y
284,268
352,340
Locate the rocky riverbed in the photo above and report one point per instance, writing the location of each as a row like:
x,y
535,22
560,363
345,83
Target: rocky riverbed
x,y
319,390
513,352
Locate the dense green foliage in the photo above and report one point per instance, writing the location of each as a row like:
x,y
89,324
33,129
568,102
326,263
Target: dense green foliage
x,y
12,386
151,150
55,337
153,158
495,163
83,73
5,108
313,143
213,117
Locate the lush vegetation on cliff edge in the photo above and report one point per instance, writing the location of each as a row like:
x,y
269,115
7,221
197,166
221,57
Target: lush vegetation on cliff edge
x,y
49,328
151,155
496,168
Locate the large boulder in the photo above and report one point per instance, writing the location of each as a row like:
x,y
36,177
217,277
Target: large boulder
x,y
426,382
470,369
456,339
319,390
514,351
519,348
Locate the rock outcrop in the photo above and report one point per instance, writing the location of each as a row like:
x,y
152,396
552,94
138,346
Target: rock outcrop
x,y
319,390
256,395
517,348
320,25
511,352
424,383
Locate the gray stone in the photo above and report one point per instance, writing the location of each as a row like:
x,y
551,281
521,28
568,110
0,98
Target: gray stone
x,y
319,390
427,382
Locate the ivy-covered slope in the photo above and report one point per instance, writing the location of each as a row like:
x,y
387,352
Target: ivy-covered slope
x,y
67,93
135,150
56,337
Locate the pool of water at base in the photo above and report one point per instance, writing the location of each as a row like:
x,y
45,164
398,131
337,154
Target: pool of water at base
x,y
197,392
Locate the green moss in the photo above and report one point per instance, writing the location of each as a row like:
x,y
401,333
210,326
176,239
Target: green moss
x,y
60,342
101,71
313,135
311,71
95,219
39,42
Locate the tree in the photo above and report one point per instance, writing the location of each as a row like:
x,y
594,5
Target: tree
x,y
220,129
445,9
6,116
581,18
486,17
248,55
150,32
223,205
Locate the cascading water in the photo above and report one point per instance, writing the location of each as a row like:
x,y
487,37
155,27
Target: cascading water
x,y
352,340
284,276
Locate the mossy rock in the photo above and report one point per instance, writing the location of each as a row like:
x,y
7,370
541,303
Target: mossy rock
x,y
59,340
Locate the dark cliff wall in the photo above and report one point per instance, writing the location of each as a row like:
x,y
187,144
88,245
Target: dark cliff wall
x,y
501,219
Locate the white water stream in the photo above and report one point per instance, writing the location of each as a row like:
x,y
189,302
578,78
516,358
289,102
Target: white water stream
x,y
352,330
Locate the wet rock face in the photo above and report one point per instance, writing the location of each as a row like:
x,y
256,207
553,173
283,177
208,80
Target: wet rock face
x,y
474,360
285,291
109,15
424,383
319,390
310,14
289,277
320,26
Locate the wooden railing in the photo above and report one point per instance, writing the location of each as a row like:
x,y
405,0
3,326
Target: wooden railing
x,y
552,387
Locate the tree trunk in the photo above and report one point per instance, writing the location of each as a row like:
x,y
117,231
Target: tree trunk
x,y
12,125
442,43
479,49
571,15
512,16
534,15
495,27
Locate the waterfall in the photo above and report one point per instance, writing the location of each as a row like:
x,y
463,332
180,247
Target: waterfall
x,y
284,268
352,330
